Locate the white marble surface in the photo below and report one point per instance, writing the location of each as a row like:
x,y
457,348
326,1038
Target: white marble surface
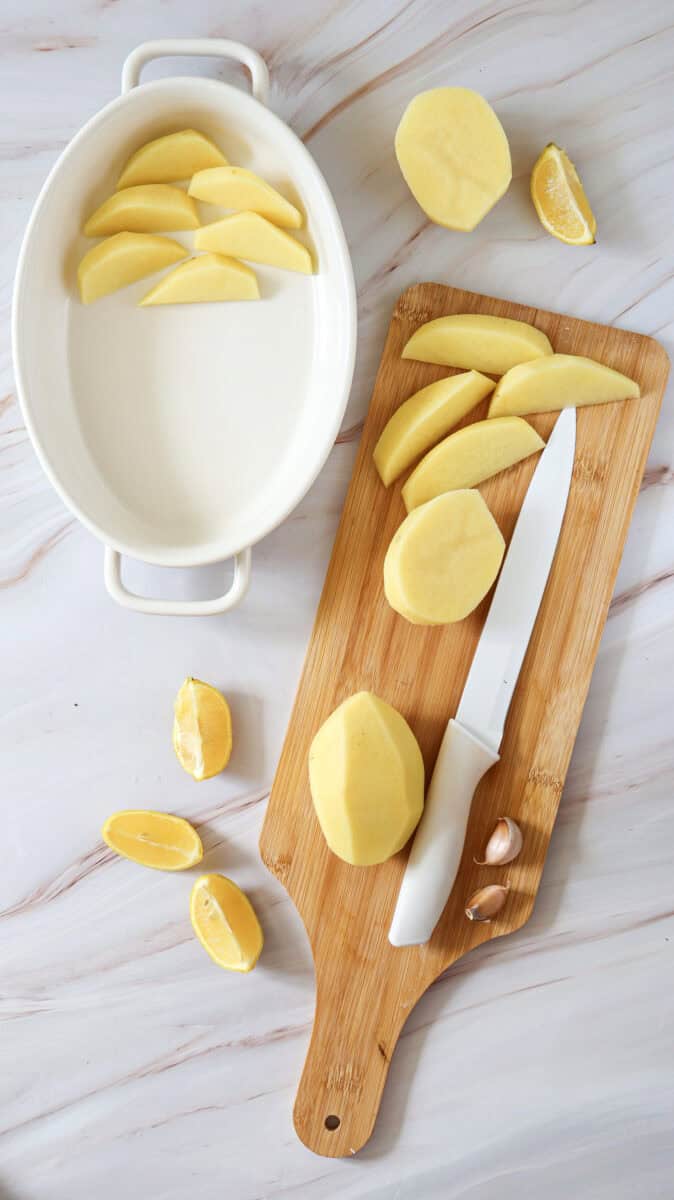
x,y
129,1065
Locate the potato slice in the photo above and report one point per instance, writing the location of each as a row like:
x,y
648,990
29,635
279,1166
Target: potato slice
x,y
476,342
561,381
210,277
426,417
234,187
151,208
366,776
470,456
248,235
454,156
123,259
174,156
443,559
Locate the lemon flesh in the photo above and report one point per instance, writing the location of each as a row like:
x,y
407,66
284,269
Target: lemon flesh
x,y
202,729
153,839
225,922
559,199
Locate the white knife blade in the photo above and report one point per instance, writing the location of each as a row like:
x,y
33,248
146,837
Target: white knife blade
x,y
472,740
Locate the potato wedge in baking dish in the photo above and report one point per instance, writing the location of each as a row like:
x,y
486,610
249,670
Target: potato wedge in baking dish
x,y
150,208
248,235
207,278
174,156
237,188
122,259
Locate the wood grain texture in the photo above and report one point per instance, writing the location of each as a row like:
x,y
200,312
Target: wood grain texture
x,y
365,987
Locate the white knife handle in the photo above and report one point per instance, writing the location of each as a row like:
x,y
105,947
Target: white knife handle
x,y
438,843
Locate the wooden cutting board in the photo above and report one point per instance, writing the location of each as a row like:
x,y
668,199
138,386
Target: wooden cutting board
x,y
365,987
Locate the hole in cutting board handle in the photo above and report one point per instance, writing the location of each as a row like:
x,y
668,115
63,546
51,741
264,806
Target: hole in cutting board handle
x,y
332,1122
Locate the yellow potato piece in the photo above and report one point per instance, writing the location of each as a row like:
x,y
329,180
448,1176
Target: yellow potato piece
x,y
152,208
210,277
561,381
174,156
225,922
470,456
476,342
426,417
454,156
443,560
366,776
153,839
123,259
202,729
559,199
234,187
248,235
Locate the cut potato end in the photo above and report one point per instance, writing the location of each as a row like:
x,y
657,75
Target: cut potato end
x,y
174,156
248,235
150,208
235,187
226,923
472,341
207,278
443,560
559,199
454,156
561,381
425,418
470,456
121,260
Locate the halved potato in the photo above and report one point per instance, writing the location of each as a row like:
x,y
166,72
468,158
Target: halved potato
x,y
206,278
470,456
454,156
248,235
234,187
426,417
123,259
443,559
174,156
476,342
561,381
150,208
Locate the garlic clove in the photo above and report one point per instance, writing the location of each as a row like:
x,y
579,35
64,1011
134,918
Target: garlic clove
x,y
487,902
504,844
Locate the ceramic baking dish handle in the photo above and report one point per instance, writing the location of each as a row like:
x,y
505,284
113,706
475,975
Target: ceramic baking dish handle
x,y
176,608
195,48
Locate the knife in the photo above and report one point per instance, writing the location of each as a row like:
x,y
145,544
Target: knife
x,y
472,739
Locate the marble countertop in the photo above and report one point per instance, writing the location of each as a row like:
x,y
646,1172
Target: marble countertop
x,y
544,1062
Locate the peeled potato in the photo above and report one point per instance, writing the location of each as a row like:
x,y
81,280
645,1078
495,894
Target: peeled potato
x,y
443,560
151,208
234,187
470,456
210,277
248,235
123,259
174,156
476,342
454,156
561,381
427,416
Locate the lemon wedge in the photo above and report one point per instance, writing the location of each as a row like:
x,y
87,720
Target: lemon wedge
x,y
224,920
202,729
559,199
153,839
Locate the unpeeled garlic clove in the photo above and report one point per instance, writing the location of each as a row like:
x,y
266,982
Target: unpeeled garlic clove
x,y
487,902
504,844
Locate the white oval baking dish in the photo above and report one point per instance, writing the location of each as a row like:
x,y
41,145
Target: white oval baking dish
x,y
182,435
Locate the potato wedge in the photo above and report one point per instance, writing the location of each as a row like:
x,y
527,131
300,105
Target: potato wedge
x,y
248,235
443,559
174,156
475,342
207,278
234,187
425,418
470,456
150,208
561,381
123,259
